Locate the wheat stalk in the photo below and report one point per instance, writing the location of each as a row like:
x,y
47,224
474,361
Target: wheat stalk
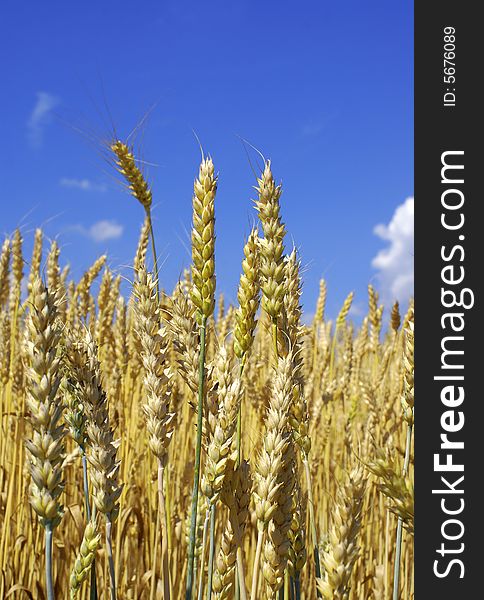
x,y
203,297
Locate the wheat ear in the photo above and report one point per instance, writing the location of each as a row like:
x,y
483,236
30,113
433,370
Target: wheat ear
x,y
85,558
17,271
46,447
235,495
4,272
272,463
82,293
340,321
341,553
395,319
271,249
248,296
5,336
102,448
185,338
36,259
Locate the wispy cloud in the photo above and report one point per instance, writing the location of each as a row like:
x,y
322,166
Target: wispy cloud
x,y
394,264
86,185
101,231
40,117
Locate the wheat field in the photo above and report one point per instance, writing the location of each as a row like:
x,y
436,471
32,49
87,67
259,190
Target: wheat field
x,y
166,445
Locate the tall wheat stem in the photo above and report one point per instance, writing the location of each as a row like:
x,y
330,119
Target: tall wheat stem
x,y
49,584
168,514
93,591
86,485
255,574
297,587
153,250
198,452
239,458
109,549
155,557
287,593
398,549
202,555
240,581
164,528
314,535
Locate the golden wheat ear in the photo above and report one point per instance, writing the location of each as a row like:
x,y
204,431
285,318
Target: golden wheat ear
x,y
248,297
272,244
342,549
46,446
127,167
203,240
5,272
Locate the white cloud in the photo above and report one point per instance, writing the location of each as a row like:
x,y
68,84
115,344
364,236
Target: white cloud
x,y
105,230
82,184
101,231
40,117
394,264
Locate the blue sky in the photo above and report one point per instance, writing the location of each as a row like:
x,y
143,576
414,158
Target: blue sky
x,y
324,89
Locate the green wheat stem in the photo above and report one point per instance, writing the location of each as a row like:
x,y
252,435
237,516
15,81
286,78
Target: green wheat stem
x,y
93,590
